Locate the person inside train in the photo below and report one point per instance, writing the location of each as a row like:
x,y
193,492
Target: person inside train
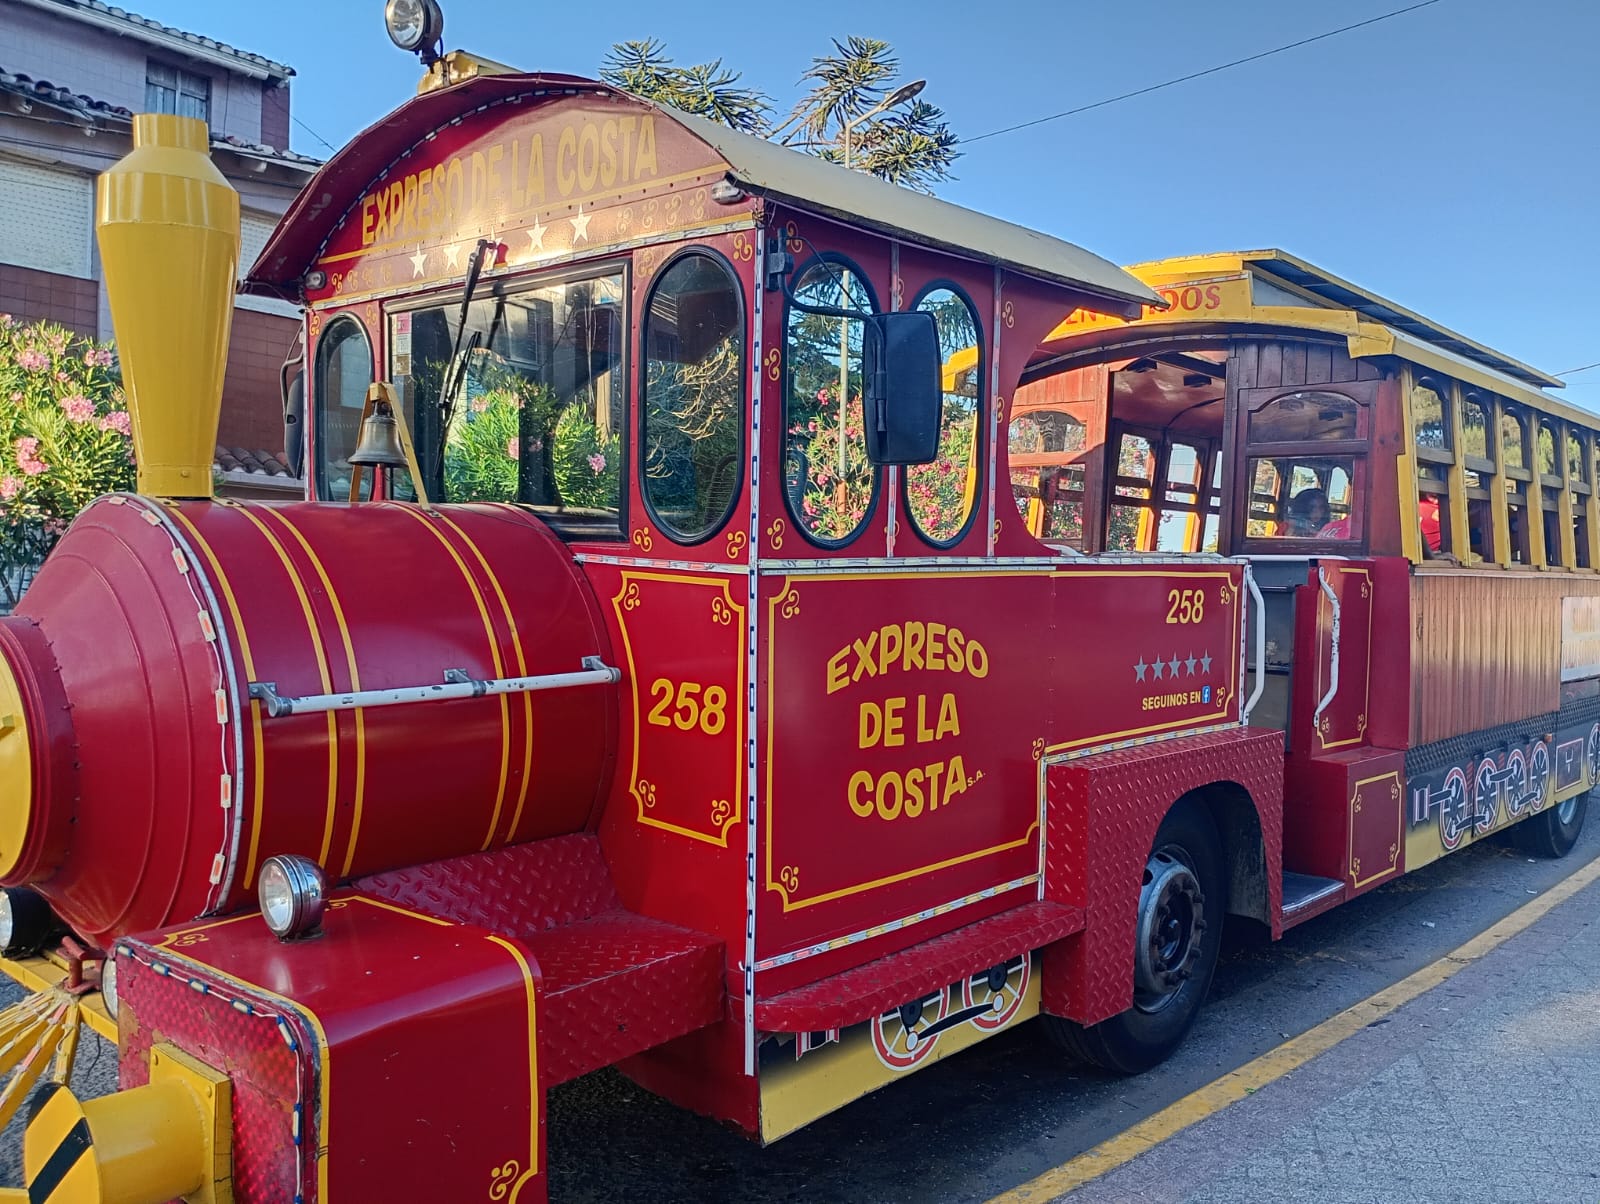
x,y
1307,514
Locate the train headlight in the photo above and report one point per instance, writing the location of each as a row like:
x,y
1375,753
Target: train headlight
x,y
414,25
26,922
108,984
292,892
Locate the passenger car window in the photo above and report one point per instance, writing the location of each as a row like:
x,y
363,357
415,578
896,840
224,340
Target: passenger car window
x,y
941,496
343,372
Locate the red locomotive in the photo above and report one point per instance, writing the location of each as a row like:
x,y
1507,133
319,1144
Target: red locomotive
x,y
661,676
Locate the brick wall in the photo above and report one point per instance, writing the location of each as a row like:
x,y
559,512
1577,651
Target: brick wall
x,y
30,296
252,410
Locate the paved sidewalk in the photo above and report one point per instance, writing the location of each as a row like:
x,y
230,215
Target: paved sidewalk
x,y
1485,1090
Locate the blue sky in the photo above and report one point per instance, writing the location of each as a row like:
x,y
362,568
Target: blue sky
x,y
1448,158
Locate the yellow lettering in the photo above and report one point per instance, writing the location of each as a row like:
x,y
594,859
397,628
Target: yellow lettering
x,y
949,722
626,125
935,772
368,215
884,810
915,634
397,199
496,182
588,156
424,200
955,656
646,163
924,732
838,678
955,781
870,725
455,192
478,182
409,225
516,174
608,153
864,658
566,151
535,189
977,659
862,807
936,645
889,646
894,724
914,798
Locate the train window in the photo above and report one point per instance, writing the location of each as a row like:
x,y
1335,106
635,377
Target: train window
x,y
829,483
1428,418
1305,418
343,372
942,496
1575,458
1046,448
1179,528
693,419
1131,525
532,407
1301,498
1511,441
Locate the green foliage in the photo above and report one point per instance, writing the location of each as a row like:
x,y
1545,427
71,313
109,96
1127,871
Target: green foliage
x,y
64,439
693,421
911,144
585,464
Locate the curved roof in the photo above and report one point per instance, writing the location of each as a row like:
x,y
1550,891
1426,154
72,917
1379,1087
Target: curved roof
x,y
758,166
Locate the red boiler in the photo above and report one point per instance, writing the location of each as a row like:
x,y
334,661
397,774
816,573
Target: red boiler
x,y
144,780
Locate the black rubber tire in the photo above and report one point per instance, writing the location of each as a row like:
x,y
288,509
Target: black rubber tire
x,y
1544,835
1135,1041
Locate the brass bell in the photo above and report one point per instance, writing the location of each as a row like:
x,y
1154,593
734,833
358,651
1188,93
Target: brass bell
x,y
380,440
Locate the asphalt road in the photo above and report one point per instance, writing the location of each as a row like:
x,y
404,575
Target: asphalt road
x,y
986,1120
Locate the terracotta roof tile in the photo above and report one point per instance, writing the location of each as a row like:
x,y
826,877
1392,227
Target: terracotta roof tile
x,y
145,25
253,461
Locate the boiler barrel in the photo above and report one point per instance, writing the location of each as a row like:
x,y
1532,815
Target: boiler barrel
x,y
143,785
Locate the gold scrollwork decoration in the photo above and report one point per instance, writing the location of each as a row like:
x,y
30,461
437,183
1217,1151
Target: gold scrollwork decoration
x,y
736,543
721,812
997,528
1366,588
721,612
1355,866
184,940
642,540
790,877
789,606
1394,853
775,533
630,596
774,360
646,792
1225,594
624,219
502,1177
1038,748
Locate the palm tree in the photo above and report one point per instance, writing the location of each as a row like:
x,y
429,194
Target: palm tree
x,y
909,144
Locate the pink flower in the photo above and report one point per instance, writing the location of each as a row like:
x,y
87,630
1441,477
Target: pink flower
x,y
597,463
78,408
97,357
10,487
822,395
32,360
16,399
512,451
480,403
27,456
117,421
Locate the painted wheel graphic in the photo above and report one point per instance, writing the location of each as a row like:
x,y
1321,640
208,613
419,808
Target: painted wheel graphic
x,y
999,991
1485,797
1594,755
1538,776
1517,794
901,1037
1453,811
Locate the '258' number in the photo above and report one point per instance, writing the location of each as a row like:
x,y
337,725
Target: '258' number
x,y
1186,605
691,705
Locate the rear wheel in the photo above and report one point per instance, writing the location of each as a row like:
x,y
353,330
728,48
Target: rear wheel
x,y
1552,833
1179,930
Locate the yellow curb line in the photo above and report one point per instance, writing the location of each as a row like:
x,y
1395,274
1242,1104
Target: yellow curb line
x,y
1275,1063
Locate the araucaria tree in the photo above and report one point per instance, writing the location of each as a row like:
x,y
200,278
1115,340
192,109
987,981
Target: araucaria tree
x,y
908,144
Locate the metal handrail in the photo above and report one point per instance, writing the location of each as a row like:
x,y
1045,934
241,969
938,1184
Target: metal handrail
x,y
457,684
1261,646
1333,683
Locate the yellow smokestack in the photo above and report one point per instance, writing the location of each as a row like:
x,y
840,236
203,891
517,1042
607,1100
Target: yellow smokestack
x,y
169,239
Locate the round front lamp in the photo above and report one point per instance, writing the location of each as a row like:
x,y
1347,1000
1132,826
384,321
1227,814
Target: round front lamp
x,y
26,922
108,984
414,25
292,892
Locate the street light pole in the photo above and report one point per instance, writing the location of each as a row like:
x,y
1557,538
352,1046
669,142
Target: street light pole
x,y
898,97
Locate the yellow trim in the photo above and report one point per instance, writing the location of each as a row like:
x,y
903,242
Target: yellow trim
x,y
1564,516
1324,607
1350,828
355,678
39,974
1406,468
1460,534
16,770
522,670
494,654
1497,484
736,701
324,675
1237,1084
532,1170
189,1085
258,768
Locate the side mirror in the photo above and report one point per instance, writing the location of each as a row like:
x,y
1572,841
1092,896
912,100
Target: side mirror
x,y
904,391
294,419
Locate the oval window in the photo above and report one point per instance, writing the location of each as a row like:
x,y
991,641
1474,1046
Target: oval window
x,y
828,480
343,372
693,397
942,496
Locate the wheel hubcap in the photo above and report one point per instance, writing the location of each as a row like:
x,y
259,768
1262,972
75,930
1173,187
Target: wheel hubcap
x,y
1171,921
1567,810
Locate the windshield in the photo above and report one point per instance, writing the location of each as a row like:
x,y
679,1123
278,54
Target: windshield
x,y
531,407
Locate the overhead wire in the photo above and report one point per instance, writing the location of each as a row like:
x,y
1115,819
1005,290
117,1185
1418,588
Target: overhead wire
x,y
1183,79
